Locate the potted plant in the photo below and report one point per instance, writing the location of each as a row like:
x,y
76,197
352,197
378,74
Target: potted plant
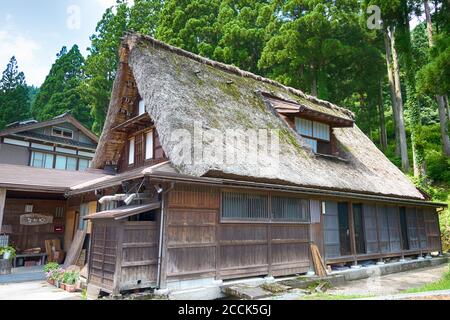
x,y
70,280
51,272
59,277
8,252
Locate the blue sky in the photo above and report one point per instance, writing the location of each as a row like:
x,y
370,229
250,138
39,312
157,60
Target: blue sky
x,y
35,30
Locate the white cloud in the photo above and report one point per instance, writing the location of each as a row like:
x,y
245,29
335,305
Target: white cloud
x,y
25,50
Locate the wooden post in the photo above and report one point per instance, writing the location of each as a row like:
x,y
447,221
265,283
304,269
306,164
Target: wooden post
x,y
119,259
2,205
401,233
165,216
352,233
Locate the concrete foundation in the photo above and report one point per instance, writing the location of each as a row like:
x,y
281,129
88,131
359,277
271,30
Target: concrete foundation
x,y
210,289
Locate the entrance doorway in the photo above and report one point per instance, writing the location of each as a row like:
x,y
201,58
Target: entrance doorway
x,y
344,229
404,228
358,223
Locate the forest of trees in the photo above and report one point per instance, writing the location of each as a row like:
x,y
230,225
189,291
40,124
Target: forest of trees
x,y
394,77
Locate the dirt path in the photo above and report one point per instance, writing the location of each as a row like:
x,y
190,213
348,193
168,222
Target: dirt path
x,y
391,284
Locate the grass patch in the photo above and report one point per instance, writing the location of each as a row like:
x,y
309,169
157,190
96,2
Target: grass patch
x,y
443,284
325,296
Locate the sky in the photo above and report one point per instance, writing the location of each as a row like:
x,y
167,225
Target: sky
x,y
34,31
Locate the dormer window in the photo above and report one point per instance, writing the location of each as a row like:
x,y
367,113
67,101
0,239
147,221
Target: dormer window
x,y
316,134
141,107
62,132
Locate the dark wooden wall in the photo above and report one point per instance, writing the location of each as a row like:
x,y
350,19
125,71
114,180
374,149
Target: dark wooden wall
x,y
103,256
199,245
27,237
382,232
124,255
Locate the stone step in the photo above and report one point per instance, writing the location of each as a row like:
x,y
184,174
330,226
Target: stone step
x,y
246,292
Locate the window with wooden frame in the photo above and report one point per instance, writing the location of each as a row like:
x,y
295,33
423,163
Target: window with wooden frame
x,y
149,145
62,132
141,107
251,207
139,149
131,143
316,134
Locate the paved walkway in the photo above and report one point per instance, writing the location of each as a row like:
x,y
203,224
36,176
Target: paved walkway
x,y
36,290
392,283
23,275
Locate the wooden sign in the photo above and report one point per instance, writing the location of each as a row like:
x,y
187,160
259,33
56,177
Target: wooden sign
x,y
34,219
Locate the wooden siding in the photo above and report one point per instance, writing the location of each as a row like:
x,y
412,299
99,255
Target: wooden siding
x,y
199,245
383,233
27,237
103,256
124,255
139,253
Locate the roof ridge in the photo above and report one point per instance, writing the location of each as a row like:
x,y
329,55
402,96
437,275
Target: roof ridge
x,y
131,39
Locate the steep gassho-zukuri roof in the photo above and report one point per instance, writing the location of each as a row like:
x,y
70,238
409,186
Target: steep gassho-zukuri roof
x,y
180,88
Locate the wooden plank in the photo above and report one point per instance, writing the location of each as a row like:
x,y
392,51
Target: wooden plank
x,y
2,205
75,248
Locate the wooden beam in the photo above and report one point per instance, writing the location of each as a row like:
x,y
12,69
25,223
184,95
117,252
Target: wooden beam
x,y
2,205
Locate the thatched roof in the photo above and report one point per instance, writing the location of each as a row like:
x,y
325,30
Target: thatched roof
x,y
180,88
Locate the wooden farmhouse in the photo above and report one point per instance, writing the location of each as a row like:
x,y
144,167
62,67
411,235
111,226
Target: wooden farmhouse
x,y
169,216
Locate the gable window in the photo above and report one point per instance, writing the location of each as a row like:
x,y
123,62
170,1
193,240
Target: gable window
x,y
141,107
316,134
131,151
149,145
264,208
41,160
62,132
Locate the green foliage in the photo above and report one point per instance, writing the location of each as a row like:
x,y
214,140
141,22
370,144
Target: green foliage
x,y
60,91
442,284
8,250
434,77
70,277
14,98
51,266
101,64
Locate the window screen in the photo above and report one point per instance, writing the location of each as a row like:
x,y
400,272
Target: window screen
x,y
42,160
131,152
149,145
321,131
84,211
241,206
290,209
304,127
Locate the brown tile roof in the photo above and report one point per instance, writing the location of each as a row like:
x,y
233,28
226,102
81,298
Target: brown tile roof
x,y
15,177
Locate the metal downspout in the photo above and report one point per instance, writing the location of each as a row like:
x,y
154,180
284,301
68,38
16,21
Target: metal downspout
x,y
161,235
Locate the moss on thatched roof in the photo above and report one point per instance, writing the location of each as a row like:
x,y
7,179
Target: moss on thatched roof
x,y
180,88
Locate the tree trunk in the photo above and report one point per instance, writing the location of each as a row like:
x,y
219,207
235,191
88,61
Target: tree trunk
x,y
314,81
429,23
383,133
444,115
443,118
387,43
399,99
